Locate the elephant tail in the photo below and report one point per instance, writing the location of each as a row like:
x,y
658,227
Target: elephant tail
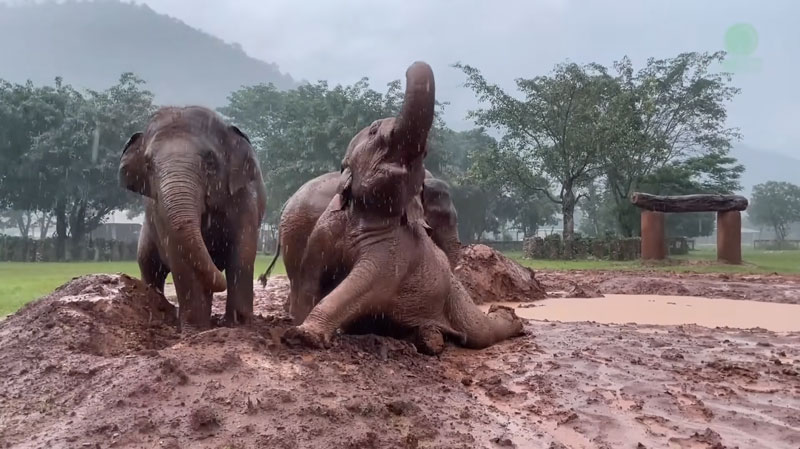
x,y
265,274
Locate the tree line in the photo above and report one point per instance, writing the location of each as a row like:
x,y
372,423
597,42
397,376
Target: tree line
x,y
580,138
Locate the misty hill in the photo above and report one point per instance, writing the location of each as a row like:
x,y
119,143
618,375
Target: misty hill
x,y
762,166
90,44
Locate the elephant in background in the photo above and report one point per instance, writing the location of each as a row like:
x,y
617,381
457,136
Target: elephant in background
x,y
204,201
373,238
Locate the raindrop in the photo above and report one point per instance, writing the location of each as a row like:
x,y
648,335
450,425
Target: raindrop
x,y
95,144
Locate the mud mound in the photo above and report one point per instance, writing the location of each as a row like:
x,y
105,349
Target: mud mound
x,y
96,314
490,276
144,386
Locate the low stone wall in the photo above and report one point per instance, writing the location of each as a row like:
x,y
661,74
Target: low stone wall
x,y
553,248
15,249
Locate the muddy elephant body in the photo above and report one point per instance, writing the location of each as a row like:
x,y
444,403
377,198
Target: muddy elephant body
x,y
304,208
374,238
204,202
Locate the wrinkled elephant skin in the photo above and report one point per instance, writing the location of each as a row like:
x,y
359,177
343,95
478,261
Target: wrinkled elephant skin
x,y
374,235
204,202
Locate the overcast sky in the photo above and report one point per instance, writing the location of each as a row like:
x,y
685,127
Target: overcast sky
x,y
343,40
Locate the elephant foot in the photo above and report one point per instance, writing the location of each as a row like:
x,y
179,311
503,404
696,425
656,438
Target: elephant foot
x,y
507,314
302,336
429,340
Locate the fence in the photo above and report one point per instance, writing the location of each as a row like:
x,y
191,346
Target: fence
x,y
774,245
17,249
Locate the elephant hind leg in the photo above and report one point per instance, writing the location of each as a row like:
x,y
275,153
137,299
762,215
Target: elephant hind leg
x,y
481,330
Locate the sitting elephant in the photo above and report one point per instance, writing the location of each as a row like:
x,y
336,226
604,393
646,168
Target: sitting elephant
x,y
204,201
302,210
373,233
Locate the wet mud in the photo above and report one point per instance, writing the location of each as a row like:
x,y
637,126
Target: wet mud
x,y
98,364
769,288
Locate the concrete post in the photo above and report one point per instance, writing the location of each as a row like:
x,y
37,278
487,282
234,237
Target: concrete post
x,y
729,237
654,246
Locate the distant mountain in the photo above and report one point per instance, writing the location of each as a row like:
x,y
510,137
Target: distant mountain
x,y
762,166
90,44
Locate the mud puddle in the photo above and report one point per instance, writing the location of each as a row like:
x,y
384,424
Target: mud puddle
x,y
667,311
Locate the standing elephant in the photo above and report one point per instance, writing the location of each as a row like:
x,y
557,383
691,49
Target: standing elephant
x,y
204,201
371,231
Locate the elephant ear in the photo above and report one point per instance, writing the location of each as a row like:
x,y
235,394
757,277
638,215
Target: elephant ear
x,y
345,188
241,162
133,166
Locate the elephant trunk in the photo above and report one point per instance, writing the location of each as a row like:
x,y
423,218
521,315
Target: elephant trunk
x,y
416,116
182,197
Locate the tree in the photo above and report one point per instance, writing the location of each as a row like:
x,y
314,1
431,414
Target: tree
x,y
483,197
777,205
559,129
671,110
64,148
303,133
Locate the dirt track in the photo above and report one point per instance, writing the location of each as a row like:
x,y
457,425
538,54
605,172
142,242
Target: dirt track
x,y
98,364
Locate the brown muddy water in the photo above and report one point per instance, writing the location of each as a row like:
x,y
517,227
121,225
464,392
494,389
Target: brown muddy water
x,y
665,310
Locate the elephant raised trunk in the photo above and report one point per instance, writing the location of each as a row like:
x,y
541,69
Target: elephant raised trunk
x,y
416,117
182,195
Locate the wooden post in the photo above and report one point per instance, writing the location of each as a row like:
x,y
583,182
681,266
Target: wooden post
x,y
653,243
729,237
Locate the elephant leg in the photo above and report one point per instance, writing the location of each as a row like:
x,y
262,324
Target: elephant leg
x,y
361,293
239,272
481,330
154,271
320,260
194,300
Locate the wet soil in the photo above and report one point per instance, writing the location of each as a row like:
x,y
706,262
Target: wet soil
x,y
101,367
769,288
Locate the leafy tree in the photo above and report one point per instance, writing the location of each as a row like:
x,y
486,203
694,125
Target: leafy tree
x,y
484,198
64,147
777,205
559,129
672,110
303,133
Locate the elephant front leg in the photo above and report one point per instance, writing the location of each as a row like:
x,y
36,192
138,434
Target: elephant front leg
x,y
359,294
239,272
194,301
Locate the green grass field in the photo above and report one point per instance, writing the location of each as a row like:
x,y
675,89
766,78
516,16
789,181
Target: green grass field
x,y
23,282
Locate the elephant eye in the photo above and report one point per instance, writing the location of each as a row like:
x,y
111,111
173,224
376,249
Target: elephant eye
x,y
373,129
210,160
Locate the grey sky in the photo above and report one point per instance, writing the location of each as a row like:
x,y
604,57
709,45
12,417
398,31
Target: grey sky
x,y
341,41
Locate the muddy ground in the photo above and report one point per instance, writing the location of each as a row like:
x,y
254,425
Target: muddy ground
x,y
769,287
98,364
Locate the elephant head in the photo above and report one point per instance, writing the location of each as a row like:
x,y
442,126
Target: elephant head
x,y
189,162
442,217
383,166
